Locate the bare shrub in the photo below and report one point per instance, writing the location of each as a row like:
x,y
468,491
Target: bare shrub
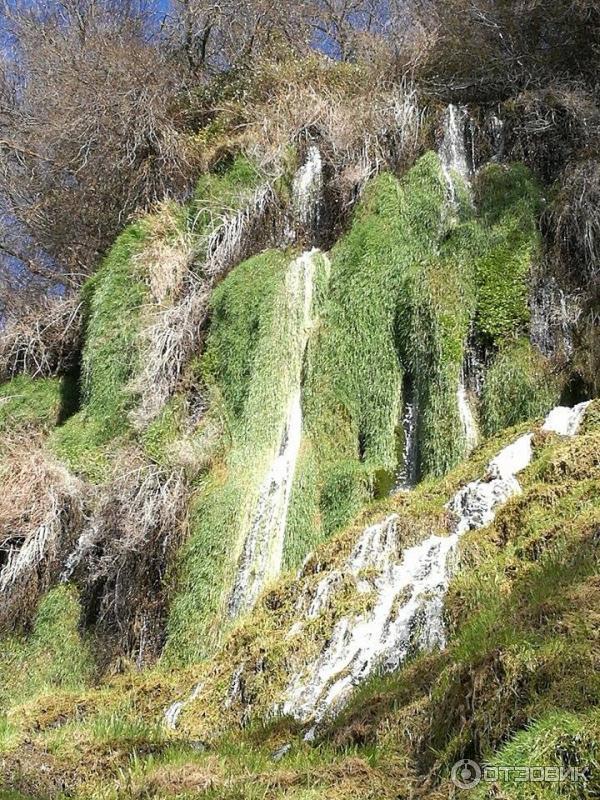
x,y
547,128
41,513
488,50
361,122
572,224
90,130
210,37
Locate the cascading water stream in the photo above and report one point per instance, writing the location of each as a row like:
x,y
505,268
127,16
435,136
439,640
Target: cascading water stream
x,y
408,600
406,595
406,477
307,191
554,317
453,149
263,541
467,419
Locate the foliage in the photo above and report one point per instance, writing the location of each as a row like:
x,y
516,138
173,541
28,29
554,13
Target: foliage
x,y
509,202
114,296
486,50
245,359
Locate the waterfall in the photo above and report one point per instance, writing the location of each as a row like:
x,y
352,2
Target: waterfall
x,y
263,547
173,712
406,477
307,191
565,421
554,315
408,594
467,419
455,164
263,541
496,126
383,638
453,149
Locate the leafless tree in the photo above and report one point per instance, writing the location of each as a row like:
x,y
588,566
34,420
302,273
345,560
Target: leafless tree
x,y
484,50
88,131
213,36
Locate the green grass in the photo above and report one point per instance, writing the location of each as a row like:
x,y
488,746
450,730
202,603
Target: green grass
x,y
114,298
517,683
557,739
29,402
407,284
509,203
250,360
519,385
354,371
54,656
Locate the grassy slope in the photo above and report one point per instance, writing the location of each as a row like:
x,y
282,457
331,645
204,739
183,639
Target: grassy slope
x,y
519,675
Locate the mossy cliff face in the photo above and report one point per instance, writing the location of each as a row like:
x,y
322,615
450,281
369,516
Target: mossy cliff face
x,y
285,417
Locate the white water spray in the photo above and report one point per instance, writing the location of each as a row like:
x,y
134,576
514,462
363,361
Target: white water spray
x,y
453,149
467,420
554,317
565,421
407,474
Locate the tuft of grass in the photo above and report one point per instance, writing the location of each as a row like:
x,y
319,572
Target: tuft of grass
x,y
114,298
509,202
250,351
557,739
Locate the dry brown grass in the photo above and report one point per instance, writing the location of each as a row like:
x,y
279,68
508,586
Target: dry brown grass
x,y
362,123
183,269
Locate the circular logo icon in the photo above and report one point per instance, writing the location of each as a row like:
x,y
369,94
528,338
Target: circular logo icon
x,y
466,774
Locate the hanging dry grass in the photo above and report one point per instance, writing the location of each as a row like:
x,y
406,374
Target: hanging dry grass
x,y
122,555
186,269
363,123
574,222
43,341
41,513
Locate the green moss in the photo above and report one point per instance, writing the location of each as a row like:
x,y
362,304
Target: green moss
x,y
509,204
26,402
241,313
518,386
110,354
222,192
160,436
385,306
435,348
251,356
